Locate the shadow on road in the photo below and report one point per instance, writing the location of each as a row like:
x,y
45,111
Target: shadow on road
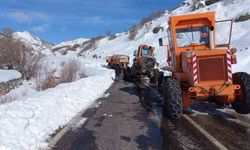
x,y
210,109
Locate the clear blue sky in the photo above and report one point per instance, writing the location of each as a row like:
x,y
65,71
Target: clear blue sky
x,y
59,20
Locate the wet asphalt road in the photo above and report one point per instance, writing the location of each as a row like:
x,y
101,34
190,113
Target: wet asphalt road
x,y
130,118
120,123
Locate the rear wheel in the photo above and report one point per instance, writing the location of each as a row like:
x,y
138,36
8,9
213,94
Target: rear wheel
x,y
242,103
172,95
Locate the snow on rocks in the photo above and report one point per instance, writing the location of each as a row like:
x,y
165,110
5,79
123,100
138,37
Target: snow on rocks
x,y
33,41
79,41
27,123
7,75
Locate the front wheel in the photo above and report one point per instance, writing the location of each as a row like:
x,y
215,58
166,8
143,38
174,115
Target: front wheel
x,y
172,95
242,103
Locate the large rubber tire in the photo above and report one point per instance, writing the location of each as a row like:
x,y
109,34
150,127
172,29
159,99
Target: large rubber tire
x,y
172,95
154,79
160,82
242,104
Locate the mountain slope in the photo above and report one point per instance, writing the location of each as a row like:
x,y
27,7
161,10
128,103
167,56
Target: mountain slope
x,y
75,45
240,36
33,41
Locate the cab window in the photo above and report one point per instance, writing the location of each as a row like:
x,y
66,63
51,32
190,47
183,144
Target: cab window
x,y
146,51
194,35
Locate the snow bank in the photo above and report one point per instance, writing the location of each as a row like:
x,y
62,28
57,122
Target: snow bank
x,y
7,75
26,124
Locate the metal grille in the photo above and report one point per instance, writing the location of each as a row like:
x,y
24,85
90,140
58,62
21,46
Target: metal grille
x,y
212,68
148,62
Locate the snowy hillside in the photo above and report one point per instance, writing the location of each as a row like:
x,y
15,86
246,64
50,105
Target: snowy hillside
x,y
241,33
79,41
67,46
33,41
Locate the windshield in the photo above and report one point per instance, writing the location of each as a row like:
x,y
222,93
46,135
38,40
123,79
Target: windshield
x,y
195,35
146,51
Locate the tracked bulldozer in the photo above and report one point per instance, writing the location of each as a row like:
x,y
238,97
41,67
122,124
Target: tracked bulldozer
x,y
144,64
201,65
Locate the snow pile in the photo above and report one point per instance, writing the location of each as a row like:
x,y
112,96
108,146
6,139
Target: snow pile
x,y
27,123
7,75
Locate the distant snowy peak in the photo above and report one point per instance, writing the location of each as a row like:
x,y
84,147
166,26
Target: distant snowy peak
x,y
33,41
79,41
65,47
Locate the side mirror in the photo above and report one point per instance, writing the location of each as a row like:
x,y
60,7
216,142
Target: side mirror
x,y
212,28
160,41
135,53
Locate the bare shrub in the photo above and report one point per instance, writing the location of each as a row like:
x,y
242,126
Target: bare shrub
x,y
228,2
7,32
82,74
92,43
69,72
133,32
15,55
111,35
6,98
151,17
65,49
134,29
32,65
75,46
49,82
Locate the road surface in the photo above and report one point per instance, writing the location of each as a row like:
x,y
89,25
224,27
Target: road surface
x,y
130,118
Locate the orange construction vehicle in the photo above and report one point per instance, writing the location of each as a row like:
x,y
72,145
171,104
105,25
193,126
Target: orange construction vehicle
x,y
144,63
121,60
201,67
